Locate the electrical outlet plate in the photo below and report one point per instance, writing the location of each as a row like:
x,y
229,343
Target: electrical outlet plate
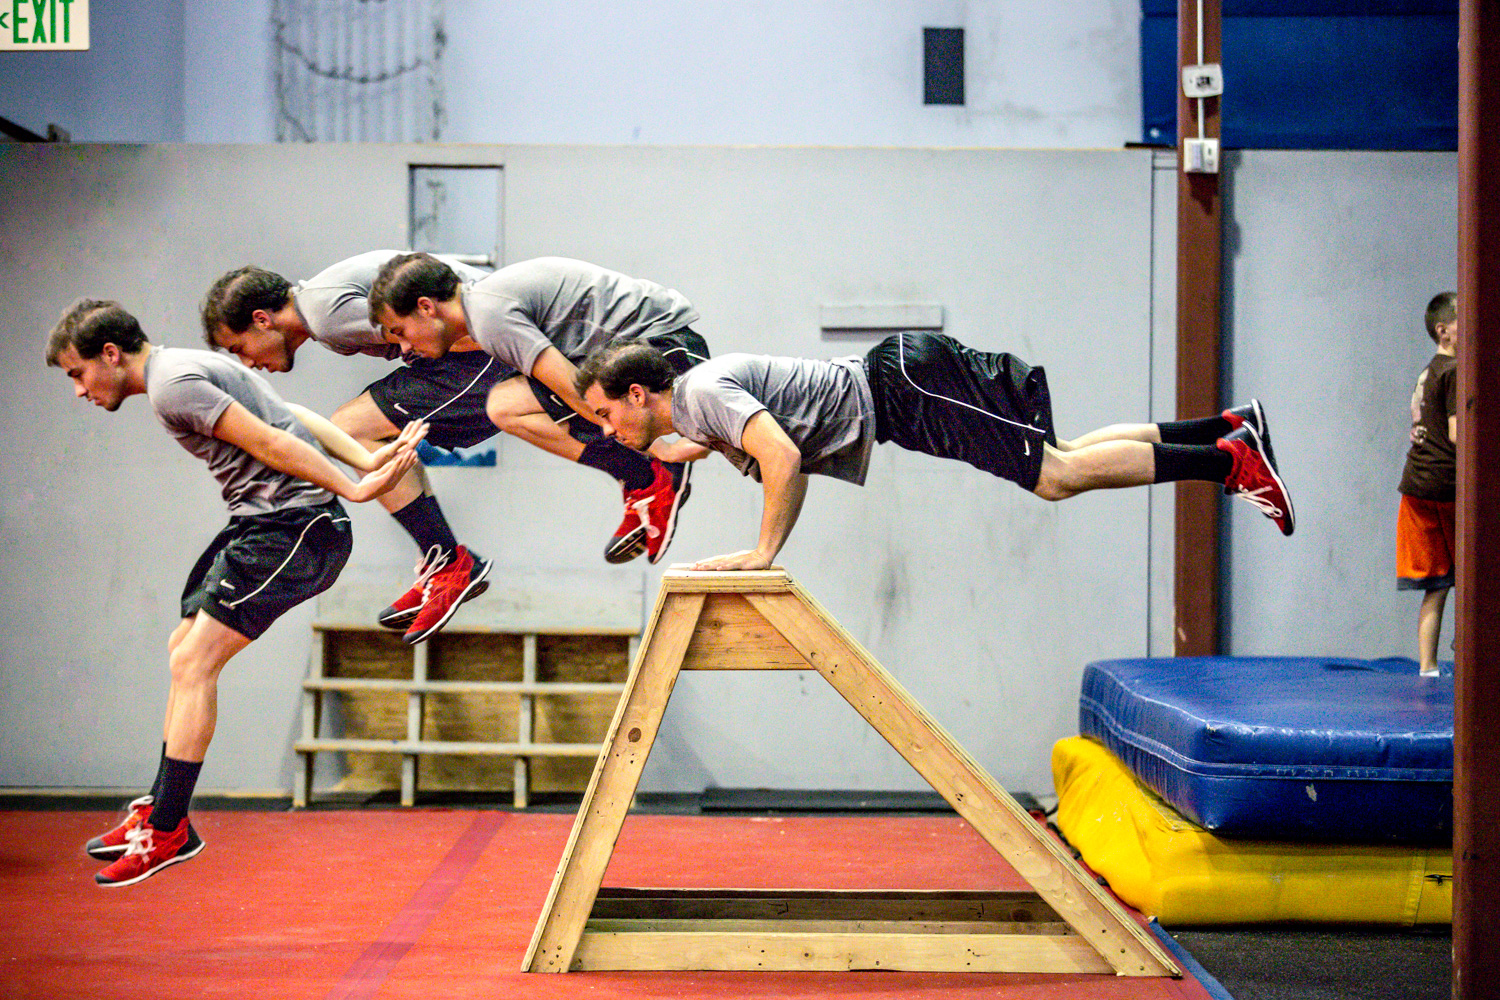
x,y
1200,156
1205,80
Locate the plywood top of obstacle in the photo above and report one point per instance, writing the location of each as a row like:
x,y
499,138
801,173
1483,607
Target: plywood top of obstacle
x,y
680,578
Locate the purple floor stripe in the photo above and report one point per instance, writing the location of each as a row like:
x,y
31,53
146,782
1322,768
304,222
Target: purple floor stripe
x,y
370,970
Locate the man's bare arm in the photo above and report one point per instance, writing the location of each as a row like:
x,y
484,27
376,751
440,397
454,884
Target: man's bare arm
x,y
290,454
785,486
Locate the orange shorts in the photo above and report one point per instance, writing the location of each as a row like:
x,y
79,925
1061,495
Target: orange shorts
x,y
1424,544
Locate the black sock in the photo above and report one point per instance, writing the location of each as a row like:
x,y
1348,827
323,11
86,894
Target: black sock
x,y
178,779
630,467
1206,430
424,522
161,769
1191,461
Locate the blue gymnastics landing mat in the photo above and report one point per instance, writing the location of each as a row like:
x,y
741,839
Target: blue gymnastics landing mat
x,y
1284,748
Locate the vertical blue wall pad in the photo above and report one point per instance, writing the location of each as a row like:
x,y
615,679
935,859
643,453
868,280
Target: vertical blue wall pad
x,y
1317,75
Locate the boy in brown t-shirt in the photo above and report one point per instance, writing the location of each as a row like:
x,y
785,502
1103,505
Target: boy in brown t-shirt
x,y
1424,523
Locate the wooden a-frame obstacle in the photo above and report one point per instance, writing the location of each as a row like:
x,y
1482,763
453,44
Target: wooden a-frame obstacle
x,y
764,621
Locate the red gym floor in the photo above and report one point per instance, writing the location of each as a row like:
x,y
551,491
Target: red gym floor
x,y
434,903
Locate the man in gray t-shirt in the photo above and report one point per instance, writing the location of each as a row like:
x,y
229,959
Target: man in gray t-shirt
x,y
781,419
287,539
263,319
542,317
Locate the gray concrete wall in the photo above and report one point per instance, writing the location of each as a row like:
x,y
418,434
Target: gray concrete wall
x,y
1330,261
984,601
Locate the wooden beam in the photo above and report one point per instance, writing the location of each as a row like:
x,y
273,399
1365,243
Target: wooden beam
x,y
613,784
967,786
1476,689
838,952
1199,269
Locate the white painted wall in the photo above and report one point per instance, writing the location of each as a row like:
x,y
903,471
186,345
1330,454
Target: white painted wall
x,y
1330,261
694,72
985,601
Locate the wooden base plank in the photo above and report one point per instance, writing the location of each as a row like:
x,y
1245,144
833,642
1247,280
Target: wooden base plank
x,y
836,952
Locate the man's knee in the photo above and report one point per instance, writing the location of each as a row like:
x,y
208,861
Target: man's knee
x,y
362,420
191,665
178,634
1055,481
509,402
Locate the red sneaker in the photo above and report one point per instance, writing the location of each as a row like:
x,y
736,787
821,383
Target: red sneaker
x,y
629,539
406,607
149,850
655,507
1254,414
458,580
1254,478
114,842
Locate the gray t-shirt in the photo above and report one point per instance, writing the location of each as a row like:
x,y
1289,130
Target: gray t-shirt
x,y
189,392
334,303
825,407
519,311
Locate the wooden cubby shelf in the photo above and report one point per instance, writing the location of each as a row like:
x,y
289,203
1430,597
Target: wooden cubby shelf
x,y
529,670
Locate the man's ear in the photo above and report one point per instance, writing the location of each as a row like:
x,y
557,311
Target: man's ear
x,y
426,306
637,394
111,353
261,319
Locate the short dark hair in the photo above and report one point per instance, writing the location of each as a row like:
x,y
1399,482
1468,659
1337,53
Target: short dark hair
x,y
407,277
1442,309
88,325
232,300
622,363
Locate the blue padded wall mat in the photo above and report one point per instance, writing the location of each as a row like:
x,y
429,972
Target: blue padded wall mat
x,y
1284,748
1316,74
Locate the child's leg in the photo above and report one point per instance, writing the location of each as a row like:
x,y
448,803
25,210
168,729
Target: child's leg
x,y
1430,627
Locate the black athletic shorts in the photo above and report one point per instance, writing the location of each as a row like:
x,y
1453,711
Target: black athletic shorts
x,y
448,392
934,395
263,565
682,348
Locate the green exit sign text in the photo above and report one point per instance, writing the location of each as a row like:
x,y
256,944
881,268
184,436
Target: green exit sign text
x,y
40,25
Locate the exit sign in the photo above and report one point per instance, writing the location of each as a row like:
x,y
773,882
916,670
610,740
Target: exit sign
x,y
42,25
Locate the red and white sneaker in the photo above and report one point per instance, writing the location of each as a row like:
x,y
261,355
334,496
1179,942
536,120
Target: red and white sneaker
x,y
656,506
149,850
458,579
404,609
1254,478
629,539
109,844
1254,414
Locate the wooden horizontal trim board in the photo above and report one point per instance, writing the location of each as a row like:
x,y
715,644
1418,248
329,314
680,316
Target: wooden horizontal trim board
x,y
447,747
404,686
836,951
763,621
461,628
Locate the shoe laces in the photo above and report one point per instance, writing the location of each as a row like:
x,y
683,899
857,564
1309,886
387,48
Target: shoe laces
x,y
642,508
450,580
432,560
1260,502
139,841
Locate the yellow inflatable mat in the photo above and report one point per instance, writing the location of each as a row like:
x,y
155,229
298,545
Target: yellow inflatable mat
x,y
1170,868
